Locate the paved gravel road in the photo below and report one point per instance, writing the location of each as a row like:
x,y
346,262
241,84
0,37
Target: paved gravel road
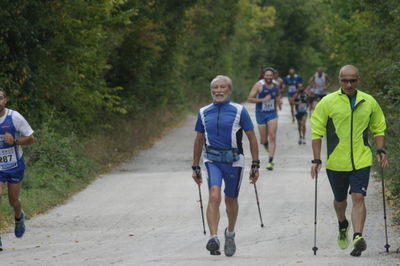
x,y
146,213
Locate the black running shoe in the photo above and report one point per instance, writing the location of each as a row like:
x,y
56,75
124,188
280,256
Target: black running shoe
x,y
213,246
359,245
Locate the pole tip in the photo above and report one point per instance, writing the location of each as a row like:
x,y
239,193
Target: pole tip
x,y
262,225
315,250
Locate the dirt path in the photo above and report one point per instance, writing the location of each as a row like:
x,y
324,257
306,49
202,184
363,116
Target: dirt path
x,y
146,213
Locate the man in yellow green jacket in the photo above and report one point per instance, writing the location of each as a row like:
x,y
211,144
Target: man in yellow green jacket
x,y
346,117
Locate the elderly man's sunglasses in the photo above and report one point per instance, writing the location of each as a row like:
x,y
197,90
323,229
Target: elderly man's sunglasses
x,y
345,81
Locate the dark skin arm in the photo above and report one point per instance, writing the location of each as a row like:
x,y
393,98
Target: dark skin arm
x,y
9,139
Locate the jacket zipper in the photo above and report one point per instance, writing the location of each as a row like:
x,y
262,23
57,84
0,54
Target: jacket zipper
x,y
219,108
351,133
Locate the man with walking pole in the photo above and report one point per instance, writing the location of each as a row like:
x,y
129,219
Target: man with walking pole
x,y
345,117
219,128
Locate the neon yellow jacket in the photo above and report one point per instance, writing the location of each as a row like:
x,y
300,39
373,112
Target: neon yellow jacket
x,y
346,130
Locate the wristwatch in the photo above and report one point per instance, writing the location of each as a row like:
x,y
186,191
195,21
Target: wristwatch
x,y
316,161
195,167
379,151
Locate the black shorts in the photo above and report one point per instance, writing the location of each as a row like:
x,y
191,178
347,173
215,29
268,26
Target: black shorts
x,y
340,182
300,115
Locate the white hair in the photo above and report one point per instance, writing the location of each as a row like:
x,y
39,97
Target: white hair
x,y
226,78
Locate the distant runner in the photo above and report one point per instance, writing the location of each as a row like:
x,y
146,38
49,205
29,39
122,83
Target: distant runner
x,y
266,98
219,128
345,117
14,132
291,82
318,84
301,102
279,82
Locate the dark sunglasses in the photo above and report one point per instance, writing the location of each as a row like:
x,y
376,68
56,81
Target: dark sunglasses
x,y
345,81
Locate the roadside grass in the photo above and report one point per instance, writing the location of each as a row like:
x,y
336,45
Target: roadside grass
x,y
59,166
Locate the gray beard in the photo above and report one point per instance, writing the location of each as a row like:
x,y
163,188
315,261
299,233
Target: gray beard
x,y
219,99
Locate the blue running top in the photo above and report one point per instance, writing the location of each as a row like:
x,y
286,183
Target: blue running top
x,y
223,125
268,106
11,162
292,83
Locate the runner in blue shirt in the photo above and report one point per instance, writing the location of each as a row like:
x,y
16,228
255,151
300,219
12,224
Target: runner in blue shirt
x,y
266,98
14,132
219,128
292,81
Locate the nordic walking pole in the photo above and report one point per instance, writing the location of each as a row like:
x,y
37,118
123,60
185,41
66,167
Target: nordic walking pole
x,y
255,190
315,217
201,200
387,246
258,205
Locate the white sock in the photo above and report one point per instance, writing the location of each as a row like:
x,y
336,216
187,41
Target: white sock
x,y
230,234
216,236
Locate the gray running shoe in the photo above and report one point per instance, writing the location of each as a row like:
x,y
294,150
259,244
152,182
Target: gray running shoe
x,y
1,245
230,246
213,246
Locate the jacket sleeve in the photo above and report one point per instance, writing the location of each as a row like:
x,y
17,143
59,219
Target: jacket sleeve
x,y
377,124
319,119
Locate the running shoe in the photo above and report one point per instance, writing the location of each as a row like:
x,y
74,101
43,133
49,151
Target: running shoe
x,y
343,239
359,245
300,141
230,246
1,245
304,140
270,166
20,225
213,246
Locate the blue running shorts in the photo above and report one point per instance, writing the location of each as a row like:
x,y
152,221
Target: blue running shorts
x,y
232,177
12,178
264,117
340,181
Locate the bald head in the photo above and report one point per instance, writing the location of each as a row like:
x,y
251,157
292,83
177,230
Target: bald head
x,y
349,78
349,70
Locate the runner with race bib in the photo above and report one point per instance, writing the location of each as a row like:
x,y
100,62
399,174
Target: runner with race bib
x,y
292,81
266,98
301,101
14,132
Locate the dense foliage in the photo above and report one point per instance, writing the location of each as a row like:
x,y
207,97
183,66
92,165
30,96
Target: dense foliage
x,y
73,67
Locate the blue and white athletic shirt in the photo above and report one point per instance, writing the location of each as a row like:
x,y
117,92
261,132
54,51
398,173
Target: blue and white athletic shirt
x,y
11,159
223,125
292,83
268,106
